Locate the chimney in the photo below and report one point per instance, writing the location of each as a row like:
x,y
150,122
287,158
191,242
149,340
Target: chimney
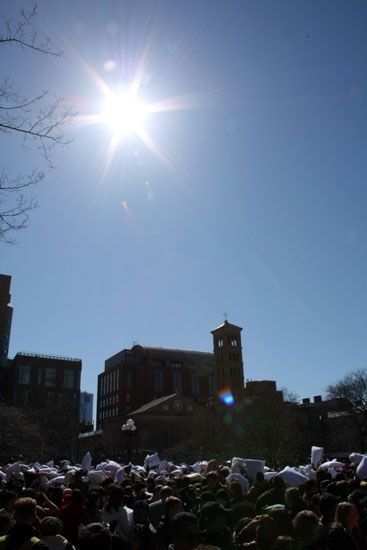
x,y
306,401
317,399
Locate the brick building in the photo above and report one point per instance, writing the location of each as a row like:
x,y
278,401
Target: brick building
x,y
38,381
136,376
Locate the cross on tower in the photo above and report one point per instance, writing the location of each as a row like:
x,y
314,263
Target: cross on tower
x,y
225,315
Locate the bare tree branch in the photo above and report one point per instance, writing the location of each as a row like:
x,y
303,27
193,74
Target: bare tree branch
x,y
352,389
23,33
40,121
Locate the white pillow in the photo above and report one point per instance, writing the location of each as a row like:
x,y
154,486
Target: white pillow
x,y
316,455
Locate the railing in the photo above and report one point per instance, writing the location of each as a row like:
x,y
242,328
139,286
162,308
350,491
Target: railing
x,y
44,356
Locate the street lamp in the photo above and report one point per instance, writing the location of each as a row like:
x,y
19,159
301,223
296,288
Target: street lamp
x,y
129,430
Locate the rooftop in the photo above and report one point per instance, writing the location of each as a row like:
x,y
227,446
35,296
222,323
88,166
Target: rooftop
x,y
181,355
44,356
227,325
153,403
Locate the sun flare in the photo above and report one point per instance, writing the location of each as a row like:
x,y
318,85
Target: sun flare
x,y
124,113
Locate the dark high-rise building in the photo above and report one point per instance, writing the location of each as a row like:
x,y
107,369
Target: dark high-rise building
x,y
44,381
6,314
86,408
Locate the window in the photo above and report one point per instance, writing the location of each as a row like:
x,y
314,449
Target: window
x,y
195,383
130,379
177,381
176,364
158,380
234,342
220,343
68,378
50,377
211,384
24,374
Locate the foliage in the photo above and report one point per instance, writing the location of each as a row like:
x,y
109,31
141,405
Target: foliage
x,y
37,434
19,432
352,389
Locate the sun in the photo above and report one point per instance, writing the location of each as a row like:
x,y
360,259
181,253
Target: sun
x,y
124,113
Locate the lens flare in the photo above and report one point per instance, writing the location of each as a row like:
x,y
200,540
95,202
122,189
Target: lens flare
x,y
225,395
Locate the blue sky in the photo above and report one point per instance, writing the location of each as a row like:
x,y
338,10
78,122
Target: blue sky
x,y
260,212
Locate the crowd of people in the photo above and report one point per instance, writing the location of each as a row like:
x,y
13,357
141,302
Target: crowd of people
x,y
238,504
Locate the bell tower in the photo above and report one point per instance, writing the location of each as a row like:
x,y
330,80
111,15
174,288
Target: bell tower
x,y
228,357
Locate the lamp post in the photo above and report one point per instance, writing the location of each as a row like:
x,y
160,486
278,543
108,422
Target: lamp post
x,y
129,429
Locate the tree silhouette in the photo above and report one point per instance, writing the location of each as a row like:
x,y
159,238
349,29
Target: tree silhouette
x,y
38,120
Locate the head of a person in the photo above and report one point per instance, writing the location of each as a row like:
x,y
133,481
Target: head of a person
x,y
172,507
94,499
306,527
50,526
327,506
140,537
94,536
7,500
165,492
139,486
77,498
223,472
285,543
347,515
283,522
115,497
6,521
25,510
207,496
185,531
310,487
156,491
278,484
343,489
141,512
213,517
292,497
223,497
212,480
266,532
235,489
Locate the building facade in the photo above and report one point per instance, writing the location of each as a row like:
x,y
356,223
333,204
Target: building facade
x,y
228,357
86,408
44,381
6,315
136,376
